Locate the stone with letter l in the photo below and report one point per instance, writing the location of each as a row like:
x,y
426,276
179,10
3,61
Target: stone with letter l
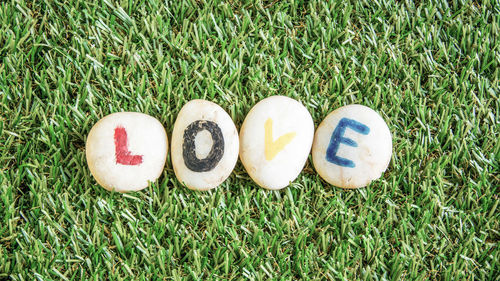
x,y
126,150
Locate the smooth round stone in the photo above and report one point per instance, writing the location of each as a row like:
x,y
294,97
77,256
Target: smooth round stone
x,y
126,150
205,145
275,141
352,147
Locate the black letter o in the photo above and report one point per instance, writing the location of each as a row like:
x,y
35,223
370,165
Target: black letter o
x,y
189,148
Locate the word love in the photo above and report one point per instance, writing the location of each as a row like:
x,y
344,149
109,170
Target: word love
x,y
351,147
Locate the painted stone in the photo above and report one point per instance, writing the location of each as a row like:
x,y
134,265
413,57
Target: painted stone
x,y
352,147
126,150
275,141
205,145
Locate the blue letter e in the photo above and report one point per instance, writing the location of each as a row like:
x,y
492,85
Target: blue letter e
x,y
338,137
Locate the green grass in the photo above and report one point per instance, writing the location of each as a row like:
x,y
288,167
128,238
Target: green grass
x,y
431,69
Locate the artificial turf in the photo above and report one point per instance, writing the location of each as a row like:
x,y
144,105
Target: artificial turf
x,y
430,68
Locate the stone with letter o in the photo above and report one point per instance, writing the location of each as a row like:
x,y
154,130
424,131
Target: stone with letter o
x,y
205,145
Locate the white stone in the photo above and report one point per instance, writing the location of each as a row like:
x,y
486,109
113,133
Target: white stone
x,y
352,166
126,150
201,170
276,162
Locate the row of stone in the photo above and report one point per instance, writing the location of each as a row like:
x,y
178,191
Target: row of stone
x,y
350,148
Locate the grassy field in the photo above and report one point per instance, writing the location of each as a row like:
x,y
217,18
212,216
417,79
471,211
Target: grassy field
x,y
430,69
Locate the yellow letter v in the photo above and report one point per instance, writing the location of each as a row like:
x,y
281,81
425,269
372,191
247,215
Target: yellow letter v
x,y
273,147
